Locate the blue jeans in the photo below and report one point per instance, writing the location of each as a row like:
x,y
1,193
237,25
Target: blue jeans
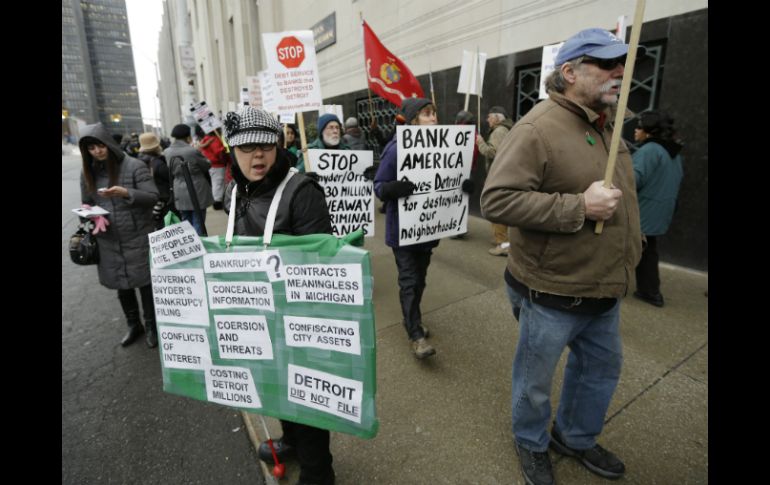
x,y
196,218
590,378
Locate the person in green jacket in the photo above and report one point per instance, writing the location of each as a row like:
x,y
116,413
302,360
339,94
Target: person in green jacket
x,y
329,138
658,173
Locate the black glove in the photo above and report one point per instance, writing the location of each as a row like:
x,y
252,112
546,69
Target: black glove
x,y
397,189
313,176
468,186
370,172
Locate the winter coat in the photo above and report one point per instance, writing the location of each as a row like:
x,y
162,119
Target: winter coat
x,y
199,167
355,139
489,148
543,166
387,173
124,249
302,209
658,172
159,170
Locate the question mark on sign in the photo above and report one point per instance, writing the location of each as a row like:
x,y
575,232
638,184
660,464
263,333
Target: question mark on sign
x,y
277,264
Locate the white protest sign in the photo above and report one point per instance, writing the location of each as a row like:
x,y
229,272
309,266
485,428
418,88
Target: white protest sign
x,y
269,102
241,294
205,117
245,262
324,283
231,386
180,296
287,118
620,29
254,91
547,65
437,159
243,337
244,96
322,333
291,61
325,392
184,348
471,67
174,244
349,195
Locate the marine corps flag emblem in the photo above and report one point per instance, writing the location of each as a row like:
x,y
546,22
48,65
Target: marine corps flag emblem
x,y
386,74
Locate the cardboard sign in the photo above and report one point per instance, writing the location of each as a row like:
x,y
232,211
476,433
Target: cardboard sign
x,y
437,159
205,117
291,61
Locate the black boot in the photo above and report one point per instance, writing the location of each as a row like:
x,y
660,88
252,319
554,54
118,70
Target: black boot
x,y
151,333
135,328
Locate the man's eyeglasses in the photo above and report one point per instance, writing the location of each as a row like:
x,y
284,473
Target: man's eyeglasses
x,y
250,147
606,64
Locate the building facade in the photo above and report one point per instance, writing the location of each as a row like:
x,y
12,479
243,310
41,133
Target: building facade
x,y
430,36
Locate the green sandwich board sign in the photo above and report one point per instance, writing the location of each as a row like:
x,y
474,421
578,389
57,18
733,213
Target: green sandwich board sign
x,y
284,331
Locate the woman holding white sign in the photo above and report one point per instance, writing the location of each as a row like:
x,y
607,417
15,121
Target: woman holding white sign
x,y
261,167
413,260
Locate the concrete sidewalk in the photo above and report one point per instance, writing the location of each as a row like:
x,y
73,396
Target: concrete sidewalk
x,y
448,419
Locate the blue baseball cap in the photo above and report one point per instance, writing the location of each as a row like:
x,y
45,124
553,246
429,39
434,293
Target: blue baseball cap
x,y
598,43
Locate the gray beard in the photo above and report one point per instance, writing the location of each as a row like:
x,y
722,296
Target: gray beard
x,y
331,141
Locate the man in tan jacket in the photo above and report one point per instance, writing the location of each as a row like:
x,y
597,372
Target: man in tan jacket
x,y
564,281
499,124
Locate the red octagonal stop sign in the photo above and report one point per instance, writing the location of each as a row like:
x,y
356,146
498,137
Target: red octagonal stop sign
x,y
291,52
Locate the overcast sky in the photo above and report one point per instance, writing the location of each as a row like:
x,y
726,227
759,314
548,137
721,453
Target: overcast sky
x,y
144,22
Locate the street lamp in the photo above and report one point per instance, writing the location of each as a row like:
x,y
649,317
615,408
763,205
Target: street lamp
x,y
119,44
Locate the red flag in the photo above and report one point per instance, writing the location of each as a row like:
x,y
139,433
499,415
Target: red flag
x,y
386,74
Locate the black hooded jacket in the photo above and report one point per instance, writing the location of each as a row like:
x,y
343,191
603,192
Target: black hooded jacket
x,y
302,209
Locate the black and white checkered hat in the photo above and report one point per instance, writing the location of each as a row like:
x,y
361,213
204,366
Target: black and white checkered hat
x,y
250,125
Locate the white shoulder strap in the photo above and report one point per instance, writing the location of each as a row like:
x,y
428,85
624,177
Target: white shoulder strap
x,y
269,222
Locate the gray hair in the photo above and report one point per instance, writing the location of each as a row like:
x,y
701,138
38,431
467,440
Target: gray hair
x,y
555,81
498,117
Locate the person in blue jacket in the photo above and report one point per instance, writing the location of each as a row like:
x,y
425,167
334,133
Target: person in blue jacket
x,y
658,172
412,261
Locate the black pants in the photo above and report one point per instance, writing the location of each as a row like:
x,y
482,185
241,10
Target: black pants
x,y
647,277
312,445
412,269
131,306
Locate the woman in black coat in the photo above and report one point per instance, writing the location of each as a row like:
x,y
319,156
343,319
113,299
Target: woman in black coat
x,y
123,186
261,166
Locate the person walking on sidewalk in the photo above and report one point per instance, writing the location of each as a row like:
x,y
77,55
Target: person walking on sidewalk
x,y
412,261
499,124
122,185
546,185
658,171
198,166
260,167
211,147
150,153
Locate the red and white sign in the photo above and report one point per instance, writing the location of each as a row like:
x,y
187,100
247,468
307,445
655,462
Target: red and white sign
x,y
293,70
290,52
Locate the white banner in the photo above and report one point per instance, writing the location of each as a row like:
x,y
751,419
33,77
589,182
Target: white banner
x,y
470,69
291,61
349,195
437,159
547,65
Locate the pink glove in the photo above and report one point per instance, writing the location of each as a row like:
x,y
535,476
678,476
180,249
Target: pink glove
x,y
85,206
101,224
